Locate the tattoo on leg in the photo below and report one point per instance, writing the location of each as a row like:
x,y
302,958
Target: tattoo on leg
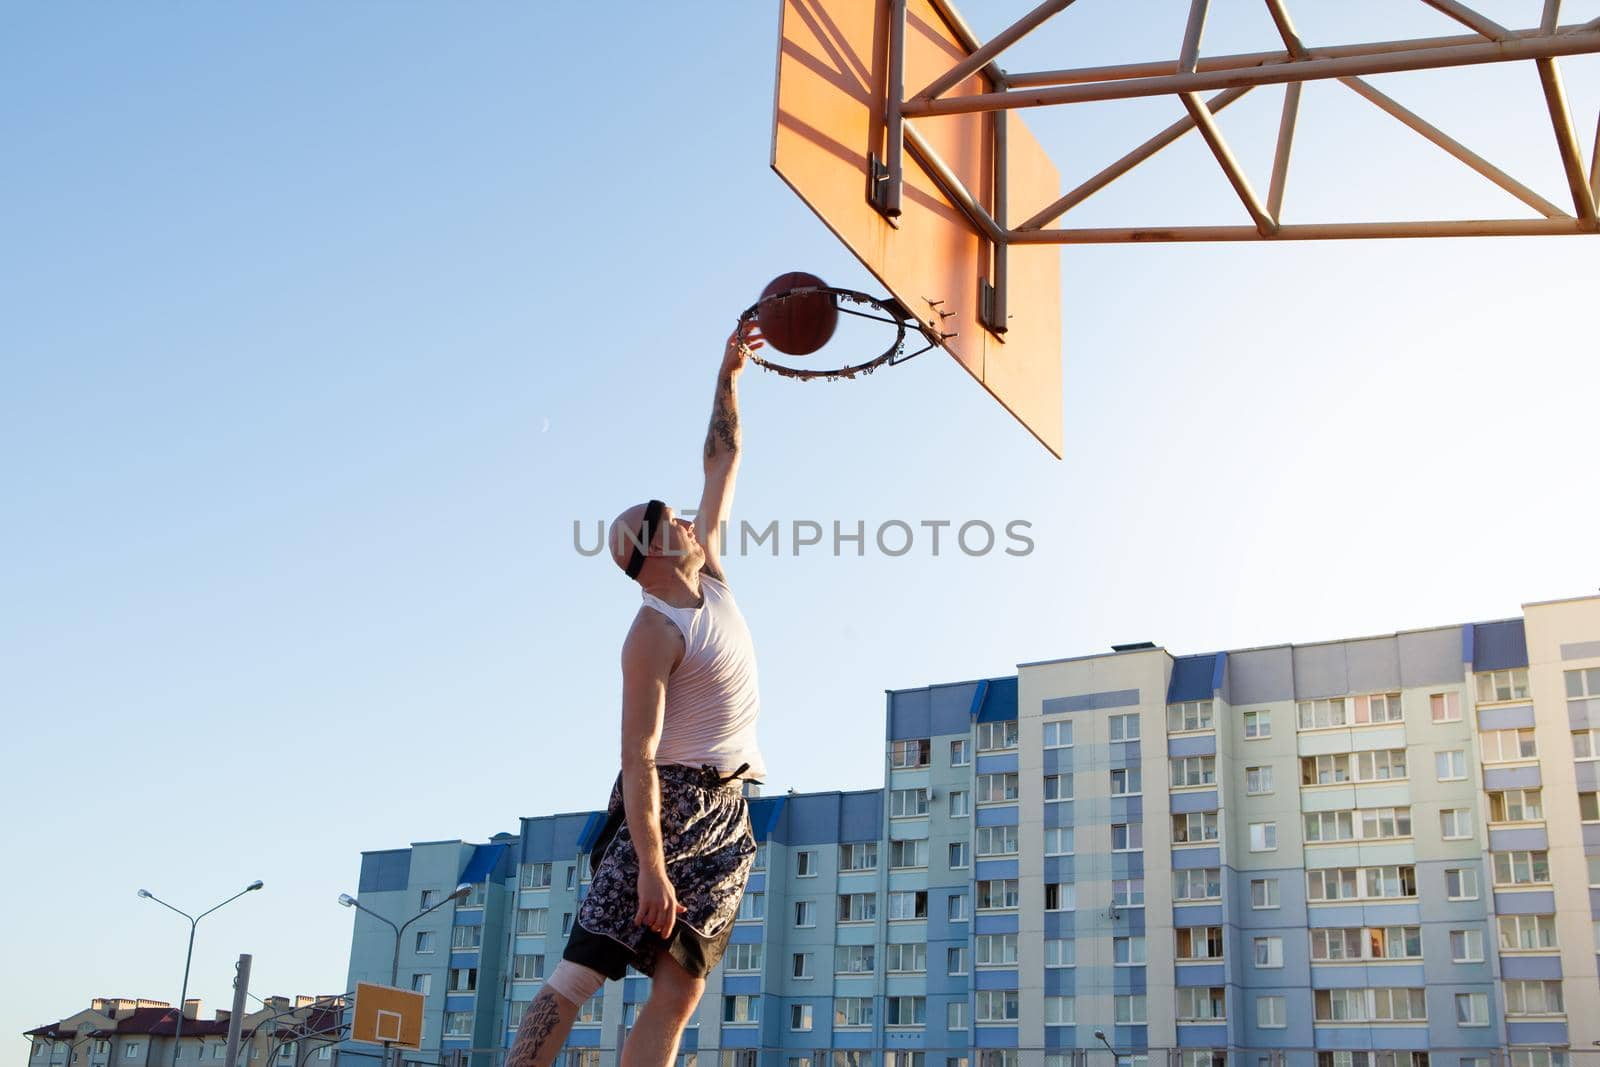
x,y
538,1023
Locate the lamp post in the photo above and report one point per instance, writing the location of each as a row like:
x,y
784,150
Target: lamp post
x,y
1101,1035
394,971
194,921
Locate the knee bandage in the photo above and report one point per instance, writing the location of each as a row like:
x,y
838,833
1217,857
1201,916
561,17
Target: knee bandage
x,y
574,981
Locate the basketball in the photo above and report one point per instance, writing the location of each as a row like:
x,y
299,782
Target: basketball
x,y
796,325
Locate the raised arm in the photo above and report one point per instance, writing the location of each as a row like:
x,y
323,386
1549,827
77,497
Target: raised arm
x,y
652,648
722,447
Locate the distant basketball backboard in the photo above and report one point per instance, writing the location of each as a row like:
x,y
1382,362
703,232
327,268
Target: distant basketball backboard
x,y
386,1015
830,132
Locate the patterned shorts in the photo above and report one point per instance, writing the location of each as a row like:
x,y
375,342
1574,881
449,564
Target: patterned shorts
x,y
710,848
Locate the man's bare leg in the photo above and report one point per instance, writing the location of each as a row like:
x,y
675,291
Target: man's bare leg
x,y
544,1030
674,995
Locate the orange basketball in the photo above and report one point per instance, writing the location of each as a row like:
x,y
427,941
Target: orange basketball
x,y
800,324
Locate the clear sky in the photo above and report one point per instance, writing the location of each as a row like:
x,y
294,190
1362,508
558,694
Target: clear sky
x,y
322,323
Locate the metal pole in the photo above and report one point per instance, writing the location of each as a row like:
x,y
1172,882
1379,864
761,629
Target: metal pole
x,y
999,43
183,997
894,132
1320,231
241,988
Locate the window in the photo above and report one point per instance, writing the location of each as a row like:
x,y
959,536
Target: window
x,y
731,1057
1257,780
1461,883
1450,766
1263,837
960,855
960,802
997,841
914,753
566,923
1455,824
424,942
1124,727
909,853
1360,883
1589,807
1466,946
429,898
1202,1003
994,950
1193,770
527,966
1525,933
800,1017
1533,998
1130,1009
1521,868
1126,782
1538,1057
422,983
1384,1005
1058,787
955,959
1060,952
466,937
905,1011
805,914
1357,943
857,907
1189,717
572,883
1058,734
911,958
1445,707
743,958
997,736
534,876
1506,746
1497,686
1263,893
1127,837
1194,827
1268,952
860,856
1257,725
1472,1009
1271,1014
130,1051
1060,1011
997,788
752,907
908,803
960,752
1586,744
760,863
1127,892
854,959
956,908
805,864
458,1024
1325,826
955,1017
997,894
1349,711
532,920
1199,942
1128,952
463,979
800,965
1060,896
997,1006
1382,765
741,1008
1058,841
1200,883
908,904
1594,872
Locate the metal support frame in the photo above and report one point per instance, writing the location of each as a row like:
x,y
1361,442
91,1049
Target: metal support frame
x,y
1231,76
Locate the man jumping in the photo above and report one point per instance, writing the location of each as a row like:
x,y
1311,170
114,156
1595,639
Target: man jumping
x,y
671,863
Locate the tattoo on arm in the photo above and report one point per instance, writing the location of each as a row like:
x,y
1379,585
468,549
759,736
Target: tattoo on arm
x,y
723,433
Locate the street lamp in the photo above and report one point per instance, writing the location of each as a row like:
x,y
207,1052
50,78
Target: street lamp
x,y
394,971
194,921
1101,1036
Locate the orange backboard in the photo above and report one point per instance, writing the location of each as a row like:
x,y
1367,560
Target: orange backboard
x,y
833,77
386,1015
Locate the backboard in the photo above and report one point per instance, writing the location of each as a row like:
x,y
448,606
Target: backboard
x,y
386,1015
936,256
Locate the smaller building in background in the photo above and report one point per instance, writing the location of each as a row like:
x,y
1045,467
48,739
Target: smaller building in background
x,y
302,1031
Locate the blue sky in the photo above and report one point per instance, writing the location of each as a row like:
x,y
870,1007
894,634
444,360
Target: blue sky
x,y
323,323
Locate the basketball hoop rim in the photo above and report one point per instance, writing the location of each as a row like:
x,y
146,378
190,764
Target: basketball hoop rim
x,y
891,356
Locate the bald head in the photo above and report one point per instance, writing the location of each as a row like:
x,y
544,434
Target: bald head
x,y
623,535
672,546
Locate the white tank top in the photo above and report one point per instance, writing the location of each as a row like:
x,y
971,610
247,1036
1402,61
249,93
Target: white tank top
x,y
712,697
